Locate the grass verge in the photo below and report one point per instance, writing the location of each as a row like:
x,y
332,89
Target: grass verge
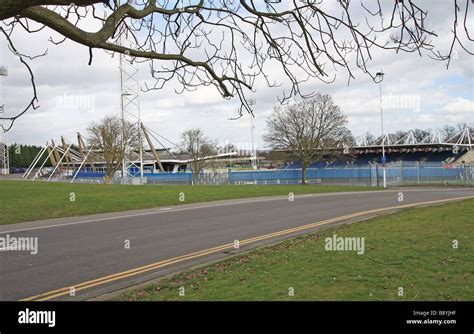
x,y
22,201
412,249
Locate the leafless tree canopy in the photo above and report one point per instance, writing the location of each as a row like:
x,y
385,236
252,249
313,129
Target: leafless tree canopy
x,y
307,128
198,146
228,43
112,138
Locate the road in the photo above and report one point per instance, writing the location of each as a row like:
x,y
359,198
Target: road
x,y
102,253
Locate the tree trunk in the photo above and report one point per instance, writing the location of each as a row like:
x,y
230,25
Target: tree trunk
x,y
109,174
303,173
107,179
195,177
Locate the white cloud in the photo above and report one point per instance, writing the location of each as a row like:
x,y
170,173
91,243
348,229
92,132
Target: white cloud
x,y
460,105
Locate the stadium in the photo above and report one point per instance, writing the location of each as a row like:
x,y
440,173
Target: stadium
x,y
435,158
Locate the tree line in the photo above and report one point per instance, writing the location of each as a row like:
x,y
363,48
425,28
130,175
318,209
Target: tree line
x,y
23,155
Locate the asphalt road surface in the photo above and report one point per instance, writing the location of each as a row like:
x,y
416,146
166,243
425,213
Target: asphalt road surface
x,y
84,257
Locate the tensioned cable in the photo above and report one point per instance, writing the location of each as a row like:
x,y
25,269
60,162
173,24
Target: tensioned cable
x,y
161,144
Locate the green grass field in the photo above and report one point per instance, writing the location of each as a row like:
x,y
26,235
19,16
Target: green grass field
x,y
411,249
22,201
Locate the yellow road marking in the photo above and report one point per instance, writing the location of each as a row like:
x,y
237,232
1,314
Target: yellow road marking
x,y
153,266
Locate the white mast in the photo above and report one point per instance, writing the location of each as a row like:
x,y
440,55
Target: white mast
x,y
130,109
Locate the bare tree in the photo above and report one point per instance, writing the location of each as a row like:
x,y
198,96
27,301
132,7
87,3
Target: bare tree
x,y
399,135
371,138
462,126
229,43
112,137
307,128
449,131
421,134
198,146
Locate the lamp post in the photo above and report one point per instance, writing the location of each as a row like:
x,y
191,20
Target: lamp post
x,y
251,103
379,78
4,157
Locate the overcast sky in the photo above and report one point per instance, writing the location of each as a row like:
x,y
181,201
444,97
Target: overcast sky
x,y
418,93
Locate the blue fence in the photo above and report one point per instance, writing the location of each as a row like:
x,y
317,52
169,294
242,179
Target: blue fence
x,y
288,176
178,178
371,175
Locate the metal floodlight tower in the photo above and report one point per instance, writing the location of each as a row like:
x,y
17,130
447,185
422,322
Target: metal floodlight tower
x,y
130,112
4,157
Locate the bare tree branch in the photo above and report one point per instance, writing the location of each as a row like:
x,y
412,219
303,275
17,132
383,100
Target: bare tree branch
x,y
228,44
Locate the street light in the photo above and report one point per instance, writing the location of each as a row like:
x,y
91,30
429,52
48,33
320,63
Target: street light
x,y
251,103
379,79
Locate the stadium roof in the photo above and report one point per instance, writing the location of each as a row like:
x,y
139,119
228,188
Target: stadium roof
x,y
462,139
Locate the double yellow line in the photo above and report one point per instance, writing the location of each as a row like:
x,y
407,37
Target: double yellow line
x,y
140,270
